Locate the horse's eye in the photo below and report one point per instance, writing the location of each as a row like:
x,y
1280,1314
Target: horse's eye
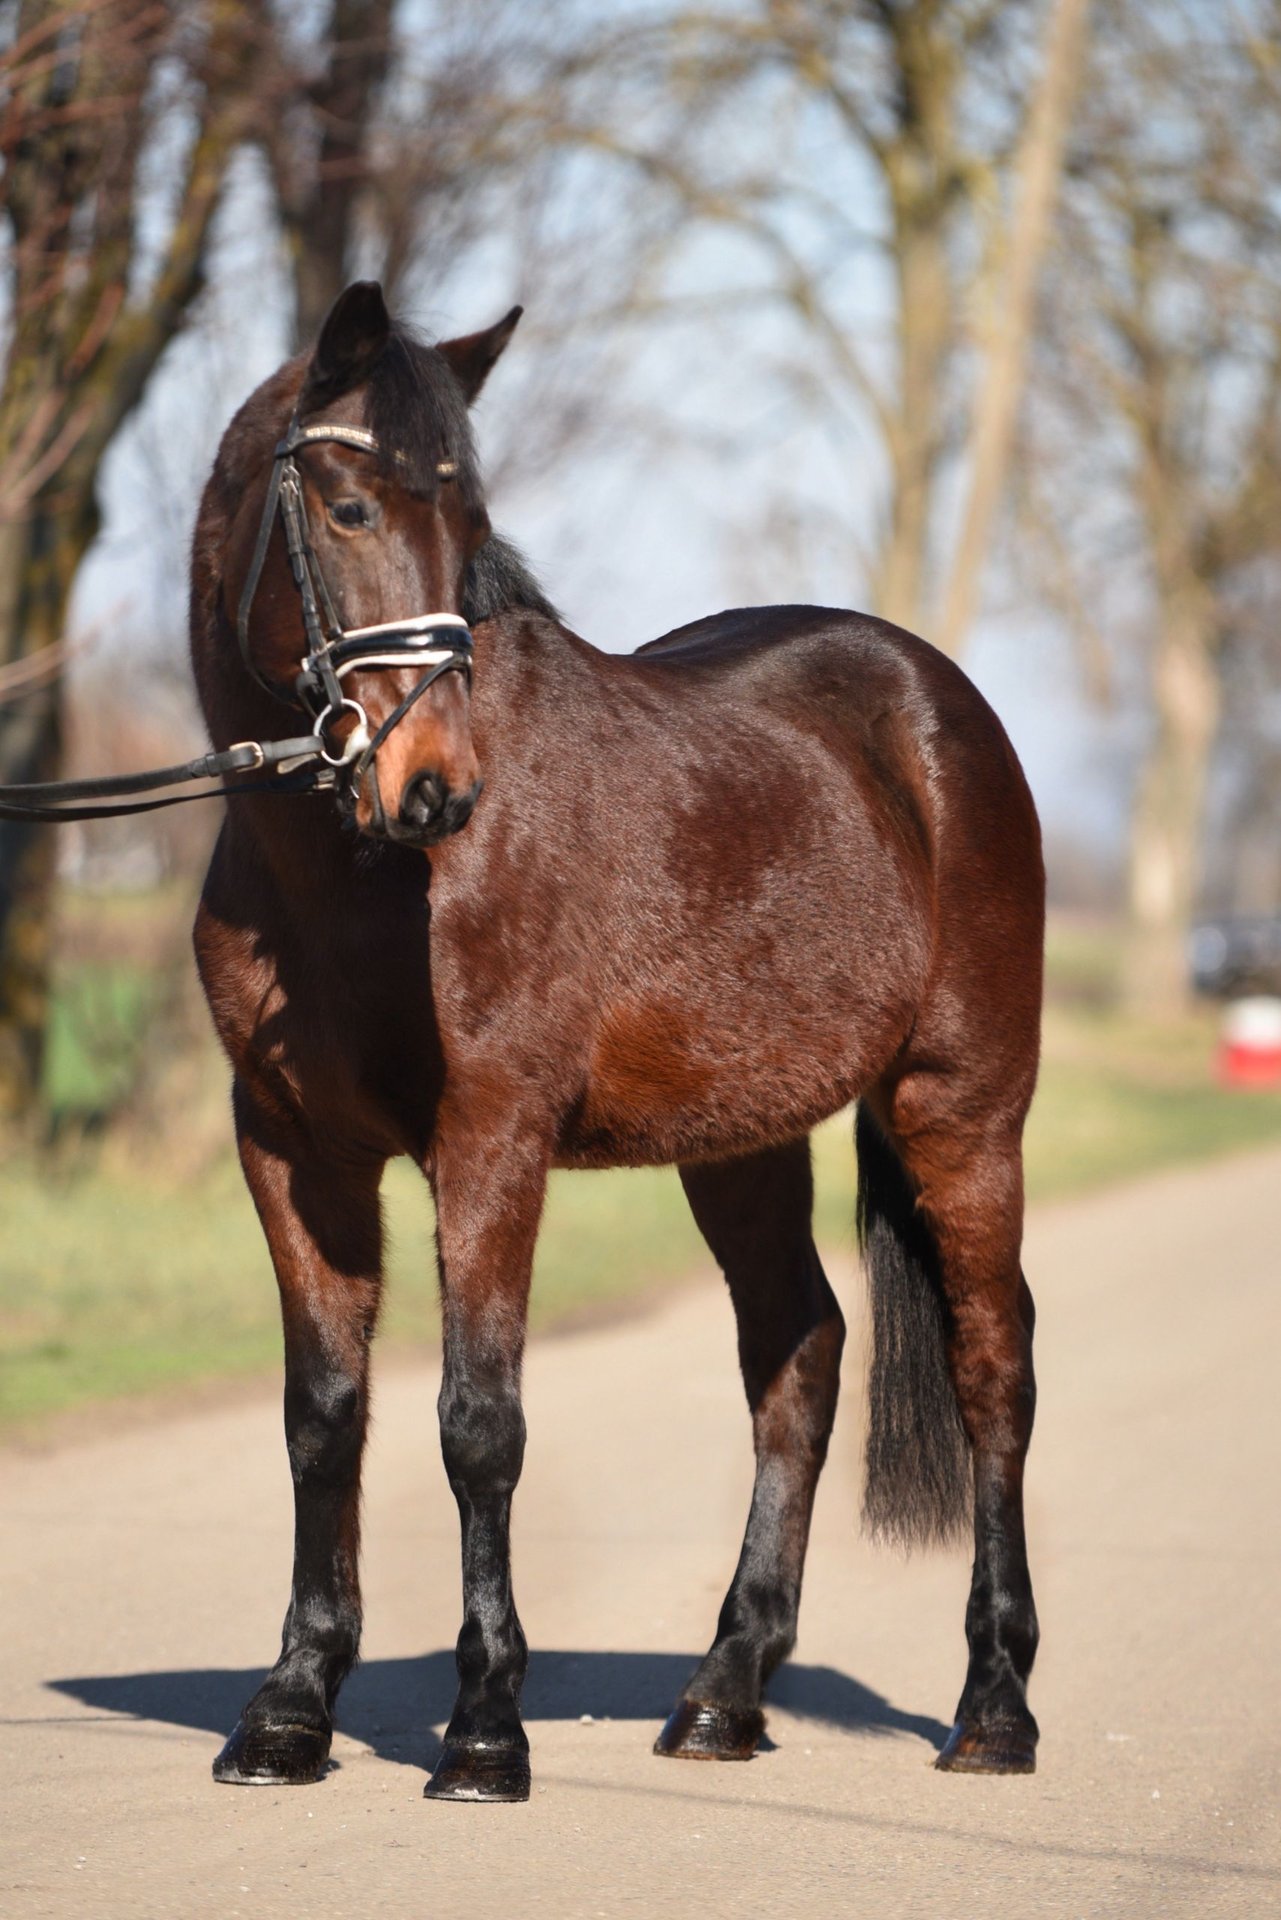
x,y
348,513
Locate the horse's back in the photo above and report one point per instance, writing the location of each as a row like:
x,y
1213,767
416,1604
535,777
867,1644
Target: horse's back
x,y
836,648
742,631
907,708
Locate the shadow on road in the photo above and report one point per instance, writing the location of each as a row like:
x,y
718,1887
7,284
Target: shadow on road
x,y
390,1704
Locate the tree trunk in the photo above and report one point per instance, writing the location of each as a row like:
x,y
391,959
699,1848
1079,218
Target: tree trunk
x,y
925,337
1169,814
38,562
921,163
997,402
320,203
76,362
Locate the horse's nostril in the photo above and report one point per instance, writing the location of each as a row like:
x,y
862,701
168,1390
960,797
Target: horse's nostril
x,y
422,800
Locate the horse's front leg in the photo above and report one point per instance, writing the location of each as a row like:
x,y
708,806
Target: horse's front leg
x,y
489,1198
320,1213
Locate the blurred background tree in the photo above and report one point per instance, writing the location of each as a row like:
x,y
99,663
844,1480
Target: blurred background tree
x,y
1159,433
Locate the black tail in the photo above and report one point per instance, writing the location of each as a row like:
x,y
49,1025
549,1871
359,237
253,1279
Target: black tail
x,y
918,1487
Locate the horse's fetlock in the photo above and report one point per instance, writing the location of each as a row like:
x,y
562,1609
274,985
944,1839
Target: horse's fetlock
x,y
319,1629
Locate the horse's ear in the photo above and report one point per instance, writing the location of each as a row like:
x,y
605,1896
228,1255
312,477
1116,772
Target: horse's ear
x,y
472,356
355,332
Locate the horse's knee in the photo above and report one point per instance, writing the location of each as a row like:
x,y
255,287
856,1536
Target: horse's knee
x,y
482,1435
324,1424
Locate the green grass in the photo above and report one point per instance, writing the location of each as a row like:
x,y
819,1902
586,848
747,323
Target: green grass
x,y
1117,1100
1083,960
116,1283
98,1020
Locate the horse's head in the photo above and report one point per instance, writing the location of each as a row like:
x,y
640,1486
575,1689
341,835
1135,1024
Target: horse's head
x,y
347,565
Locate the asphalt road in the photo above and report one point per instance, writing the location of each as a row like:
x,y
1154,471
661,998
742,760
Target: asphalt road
x,y
145,1572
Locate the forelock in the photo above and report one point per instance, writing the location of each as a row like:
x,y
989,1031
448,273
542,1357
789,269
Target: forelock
x,y
417,414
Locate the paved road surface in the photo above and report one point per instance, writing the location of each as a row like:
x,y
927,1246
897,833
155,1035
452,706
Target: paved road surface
x,y
144,1577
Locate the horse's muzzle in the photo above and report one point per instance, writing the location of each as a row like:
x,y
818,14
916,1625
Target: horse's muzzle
x,y
430,812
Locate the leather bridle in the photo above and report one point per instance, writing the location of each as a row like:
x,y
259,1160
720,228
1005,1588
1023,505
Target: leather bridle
x,y
439,643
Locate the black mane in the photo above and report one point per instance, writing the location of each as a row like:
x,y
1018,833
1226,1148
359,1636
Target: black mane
x,y
500,576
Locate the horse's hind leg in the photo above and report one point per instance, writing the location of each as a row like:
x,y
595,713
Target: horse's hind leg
x,y
320,1213
965,1183
755,1216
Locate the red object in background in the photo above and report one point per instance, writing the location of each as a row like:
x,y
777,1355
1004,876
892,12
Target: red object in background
x,y
1250,1046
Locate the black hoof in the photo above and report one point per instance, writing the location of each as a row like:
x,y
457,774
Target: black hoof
x,y
476,1771
697,1731
273,1754
1001,1749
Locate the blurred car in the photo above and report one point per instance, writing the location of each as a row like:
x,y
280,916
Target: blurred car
x,y
1240,954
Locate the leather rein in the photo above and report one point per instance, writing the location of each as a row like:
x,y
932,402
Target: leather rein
x,y
439,643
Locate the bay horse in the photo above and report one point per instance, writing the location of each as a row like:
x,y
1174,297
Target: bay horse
x,y
777,861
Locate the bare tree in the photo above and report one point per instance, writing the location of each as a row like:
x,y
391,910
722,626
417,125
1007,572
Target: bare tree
x,y
1164,323
891,169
